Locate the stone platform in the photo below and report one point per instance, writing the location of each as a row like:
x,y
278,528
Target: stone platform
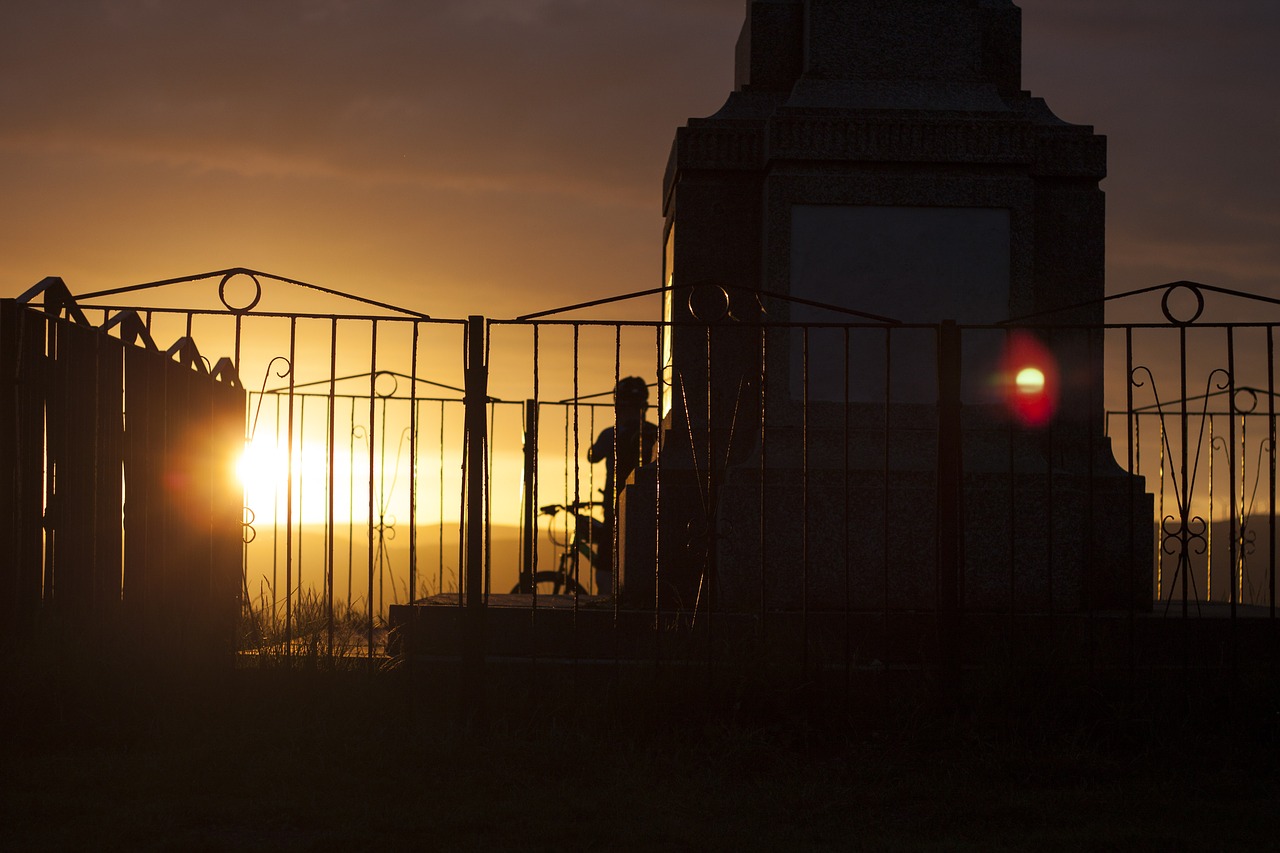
x,y
591,629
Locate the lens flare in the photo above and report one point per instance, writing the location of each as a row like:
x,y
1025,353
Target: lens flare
x,y
1031,381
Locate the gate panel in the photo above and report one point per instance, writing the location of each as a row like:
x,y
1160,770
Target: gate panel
x,y
143,506
108,536
22,381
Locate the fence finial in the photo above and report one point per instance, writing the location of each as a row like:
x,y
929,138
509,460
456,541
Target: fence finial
x,y
57,299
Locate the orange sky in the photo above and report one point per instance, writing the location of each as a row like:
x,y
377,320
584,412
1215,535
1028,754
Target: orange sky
x,y
505,156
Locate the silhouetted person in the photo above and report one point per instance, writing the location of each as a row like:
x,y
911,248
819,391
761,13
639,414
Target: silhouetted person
x,y
622,448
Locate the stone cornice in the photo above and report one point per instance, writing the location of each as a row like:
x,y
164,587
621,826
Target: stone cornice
x,y
1049,150
720,146
886,140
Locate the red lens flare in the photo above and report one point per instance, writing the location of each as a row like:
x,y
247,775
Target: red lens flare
x,y
1030,379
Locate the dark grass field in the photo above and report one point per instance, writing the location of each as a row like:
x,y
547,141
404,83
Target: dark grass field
x,y
293,758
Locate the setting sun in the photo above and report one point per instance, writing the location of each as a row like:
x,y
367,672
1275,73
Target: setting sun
x,y
266,468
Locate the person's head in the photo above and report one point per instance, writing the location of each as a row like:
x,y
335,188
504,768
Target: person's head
x,y
630,396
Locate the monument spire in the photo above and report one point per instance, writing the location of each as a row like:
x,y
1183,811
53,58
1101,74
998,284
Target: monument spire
x,y
962,44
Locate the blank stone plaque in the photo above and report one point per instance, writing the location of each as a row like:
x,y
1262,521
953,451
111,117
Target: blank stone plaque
x,y
913,264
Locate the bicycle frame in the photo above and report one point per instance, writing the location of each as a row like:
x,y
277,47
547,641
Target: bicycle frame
x,y
585,541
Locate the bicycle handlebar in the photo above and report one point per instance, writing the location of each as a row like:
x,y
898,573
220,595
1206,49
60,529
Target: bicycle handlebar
x,y
552,509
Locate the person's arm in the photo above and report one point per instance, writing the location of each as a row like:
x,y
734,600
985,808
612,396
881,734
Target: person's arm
x,y
603,448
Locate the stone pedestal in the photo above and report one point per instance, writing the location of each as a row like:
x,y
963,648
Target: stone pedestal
x,y
878,163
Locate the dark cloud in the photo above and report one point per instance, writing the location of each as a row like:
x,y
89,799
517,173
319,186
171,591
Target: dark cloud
x,y
505,95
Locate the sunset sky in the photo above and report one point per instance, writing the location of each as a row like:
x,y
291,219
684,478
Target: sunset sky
x,y
505,156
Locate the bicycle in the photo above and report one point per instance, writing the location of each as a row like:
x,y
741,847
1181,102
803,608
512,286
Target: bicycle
x,y
588,536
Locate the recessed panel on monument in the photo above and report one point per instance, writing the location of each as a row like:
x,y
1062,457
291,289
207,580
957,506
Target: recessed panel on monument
x,y
912,264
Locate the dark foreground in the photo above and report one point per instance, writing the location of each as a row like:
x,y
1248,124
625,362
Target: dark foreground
x,y
287,759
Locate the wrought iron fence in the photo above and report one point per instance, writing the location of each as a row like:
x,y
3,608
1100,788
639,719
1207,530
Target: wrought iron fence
x,y
846,496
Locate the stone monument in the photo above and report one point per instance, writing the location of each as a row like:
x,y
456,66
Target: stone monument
x,y
879,164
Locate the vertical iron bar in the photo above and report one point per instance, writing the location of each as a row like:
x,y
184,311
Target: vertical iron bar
x,y
1208,562
328,518
413,468
885,494
764,492
591,483
1271,466
477,396
709,564
275,531
1184,508
804,501
663,377
1050,515
440,498
238,327
373,399
1233,509
577,473
383,498
529,521
844,528
488,492
1013,526
302,488
462,507
532,494
950,480
52,450
288,510
614,538
1239,508
1161,442
351,506
1096,404
1133,440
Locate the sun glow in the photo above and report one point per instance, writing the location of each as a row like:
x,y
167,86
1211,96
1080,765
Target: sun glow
x,y
267,470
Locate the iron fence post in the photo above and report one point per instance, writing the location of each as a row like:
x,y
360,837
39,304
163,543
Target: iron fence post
x,y
476,424
950,483
530,519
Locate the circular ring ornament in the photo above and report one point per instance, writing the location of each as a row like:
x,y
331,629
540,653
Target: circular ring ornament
x,y
1168,313
395,384
257,292
709,303
1252,404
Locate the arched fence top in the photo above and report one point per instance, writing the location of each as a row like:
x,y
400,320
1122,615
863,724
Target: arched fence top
x,y
255,277
1196,290
711,303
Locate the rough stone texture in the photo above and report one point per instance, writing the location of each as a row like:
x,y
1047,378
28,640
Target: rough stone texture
x,y
898,104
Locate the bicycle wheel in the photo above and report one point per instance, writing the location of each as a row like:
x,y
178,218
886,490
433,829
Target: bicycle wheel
x,y
549,583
